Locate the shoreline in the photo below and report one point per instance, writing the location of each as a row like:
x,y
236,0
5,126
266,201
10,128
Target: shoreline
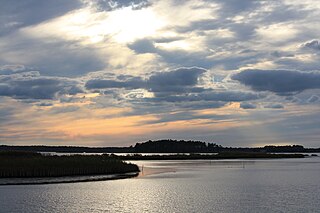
x,y
65,179
23,165
145,171
219,156
142,171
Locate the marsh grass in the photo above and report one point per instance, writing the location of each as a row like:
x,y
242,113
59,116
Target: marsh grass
x,y
30,164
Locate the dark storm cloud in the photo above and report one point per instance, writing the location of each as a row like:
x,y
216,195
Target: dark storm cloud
x,y
16,14
283,82
31,85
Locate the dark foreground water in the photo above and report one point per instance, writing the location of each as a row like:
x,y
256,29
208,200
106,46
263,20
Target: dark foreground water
x,y
284,185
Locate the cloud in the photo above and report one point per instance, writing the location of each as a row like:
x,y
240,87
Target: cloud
x,y
247,106
175,56
30,85
106,84
282,82
274,106
143,46
17,14
175,81
6,113
12,69
225,96
179,80
171,91
313,99
229,96
84,44
314,44
65,109
53,57
175,86
184,116
103,5
232,7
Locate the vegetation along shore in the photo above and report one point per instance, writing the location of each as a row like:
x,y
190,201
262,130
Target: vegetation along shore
x,y
26,162
30,164
218,156
164,146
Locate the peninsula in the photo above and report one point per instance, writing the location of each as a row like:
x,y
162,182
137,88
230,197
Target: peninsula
x,y
31,164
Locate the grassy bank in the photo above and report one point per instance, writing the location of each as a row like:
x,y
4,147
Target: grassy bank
x,y
24,164
222,155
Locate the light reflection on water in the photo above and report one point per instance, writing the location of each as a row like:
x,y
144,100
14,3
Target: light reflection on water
x,y
278,185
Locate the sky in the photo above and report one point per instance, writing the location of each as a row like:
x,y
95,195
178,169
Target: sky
x,y
113,73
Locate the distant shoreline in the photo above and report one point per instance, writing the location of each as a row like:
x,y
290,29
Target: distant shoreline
x,y
163,146
218,156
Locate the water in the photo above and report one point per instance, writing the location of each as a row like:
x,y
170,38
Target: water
x,y
280,185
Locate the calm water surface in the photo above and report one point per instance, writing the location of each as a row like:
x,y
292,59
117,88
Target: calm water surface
x,y
283,185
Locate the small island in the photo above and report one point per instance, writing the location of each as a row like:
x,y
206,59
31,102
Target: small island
x,y
15,164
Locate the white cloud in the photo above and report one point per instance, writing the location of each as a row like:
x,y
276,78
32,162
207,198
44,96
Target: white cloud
x,y
277,33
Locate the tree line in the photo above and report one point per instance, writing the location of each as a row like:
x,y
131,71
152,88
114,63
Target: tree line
x,y
164,146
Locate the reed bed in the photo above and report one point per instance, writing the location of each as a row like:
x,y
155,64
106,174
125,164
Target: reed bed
x,y
25,164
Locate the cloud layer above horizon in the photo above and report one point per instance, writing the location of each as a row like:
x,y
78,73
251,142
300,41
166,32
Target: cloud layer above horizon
x,y
113,73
